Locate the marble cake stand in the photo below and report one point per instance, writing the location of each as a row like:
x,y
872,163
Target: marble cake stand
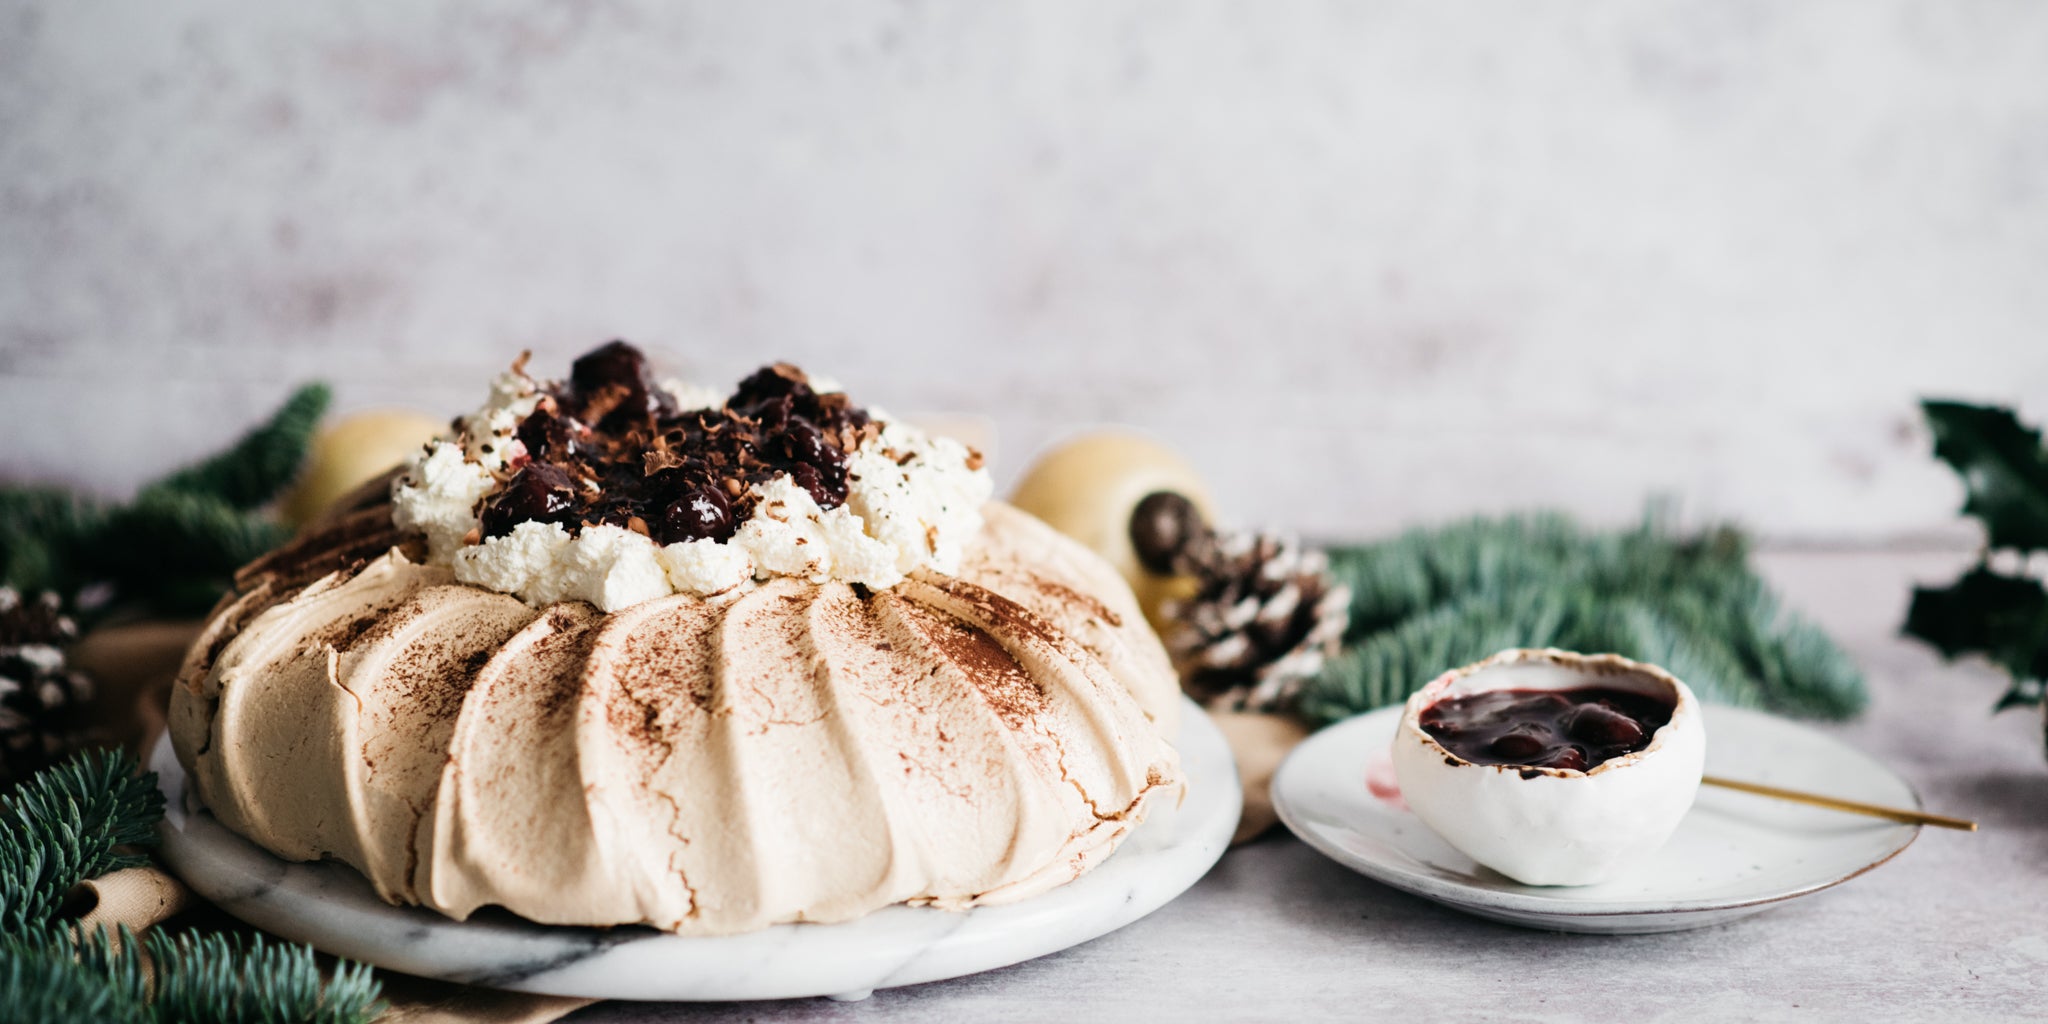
x,y
332,908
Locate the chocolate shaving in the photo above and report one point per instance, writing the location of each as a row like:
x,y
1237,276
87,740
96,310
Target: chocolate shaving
x,y
658,459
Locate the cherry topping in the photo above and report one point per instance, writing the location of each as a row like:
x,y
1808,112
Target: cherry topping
x,y
616,365
549,436
697,515
801,442
615,449
541,493
1573,730
1602,725
1517,747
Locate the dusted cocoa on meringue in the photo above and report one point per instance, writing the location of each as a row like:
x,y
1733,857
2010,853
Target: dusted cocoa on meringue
x,y
786,751
618,652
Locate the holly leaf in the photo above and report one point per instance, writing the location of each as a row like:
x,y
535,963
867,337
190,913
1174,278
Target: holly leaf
x,y
2003,466
2004,618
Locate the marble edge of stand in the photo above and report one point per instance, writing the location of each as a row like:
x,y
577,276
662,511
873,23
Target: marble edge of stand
x,y
927,945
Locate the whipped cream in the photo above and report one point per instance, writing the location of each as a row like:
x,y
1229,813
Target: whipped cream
x,y
913,501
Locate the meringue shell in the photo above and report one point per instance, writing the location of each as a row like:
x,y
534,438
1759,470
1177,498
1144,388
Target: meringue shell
x,y
787,751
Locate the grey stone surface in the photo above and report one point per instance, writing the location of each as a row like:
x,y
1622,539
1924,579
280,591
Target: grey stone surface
x,y
1954,929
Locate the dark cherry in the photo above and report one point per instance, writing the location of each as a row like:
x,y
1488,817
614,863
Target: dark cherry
x,y
802,442
1603,726
767,385
549,436
772,415
541,493
1575,730
806,476
1518,747
617,364
609,446
614,362
697,515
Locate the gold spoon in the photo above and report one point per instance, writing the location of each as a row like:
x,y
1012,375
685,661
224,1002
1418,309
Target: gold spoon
x,y
1851,806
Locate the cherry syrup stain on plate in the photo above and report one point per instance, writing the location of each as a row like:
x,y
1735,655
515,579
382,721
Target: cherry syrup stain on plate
x,y
1380,781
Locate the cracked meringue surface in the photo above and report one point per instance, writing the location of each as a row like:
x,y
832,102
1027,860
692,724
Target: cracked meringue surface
x,y
785,751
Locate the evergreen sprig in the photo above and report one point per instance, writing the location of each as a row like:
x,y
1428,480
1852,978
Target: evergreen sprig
x,y
52,975
2002,616
176,546
1435,598
68,823
42,980
45,534
260,465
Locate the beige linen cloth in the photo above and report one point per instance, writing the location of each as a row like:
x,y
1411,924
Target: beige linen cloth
x,y
133,666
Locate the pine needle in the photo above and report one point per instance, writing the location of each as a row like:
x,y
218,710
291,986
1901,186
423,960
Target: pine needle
x,y
50,974
260,465
43,982
65,825
1433,599
218,977
179,550
174,548
43,530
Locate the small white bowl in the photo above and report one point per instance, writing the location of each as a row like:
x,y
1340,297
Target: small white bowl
x,y
1554,826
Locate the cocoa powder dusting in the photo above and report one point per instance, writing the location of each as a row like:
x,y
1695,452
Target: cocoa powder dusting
x,y
1003,683
344,636
1064,594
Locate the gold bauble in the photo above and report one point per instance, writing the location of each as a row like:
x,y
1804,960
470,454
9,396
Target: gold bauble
x,y
1088,486
352,451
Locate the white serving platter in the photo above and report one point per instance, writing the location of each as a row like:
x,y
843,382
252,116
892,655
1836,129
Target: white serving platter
x,y
331,907
1734,854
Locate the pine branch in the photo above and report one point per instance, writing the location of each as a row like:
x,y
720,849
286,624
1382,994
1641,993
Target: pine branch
x,y
219,977
179,550
51,974
64,826
1433,599
262,464
177,545
43,530
43,980
115,958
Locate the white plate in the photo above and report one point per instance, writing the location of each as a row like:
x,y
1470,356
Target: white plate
x,y
331,907
1734,854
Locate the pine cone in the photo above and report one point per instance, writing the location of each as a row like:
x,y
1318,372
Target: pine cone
x,y
1264,616
43,704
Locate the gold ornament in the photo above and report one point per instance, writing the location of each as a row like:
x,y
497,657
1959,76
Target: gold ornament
x,y
1090,486
353,451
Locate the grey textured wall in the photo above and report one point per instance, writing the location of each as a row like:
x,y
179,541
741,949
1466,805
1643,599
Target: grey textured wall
x,y
1368,263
